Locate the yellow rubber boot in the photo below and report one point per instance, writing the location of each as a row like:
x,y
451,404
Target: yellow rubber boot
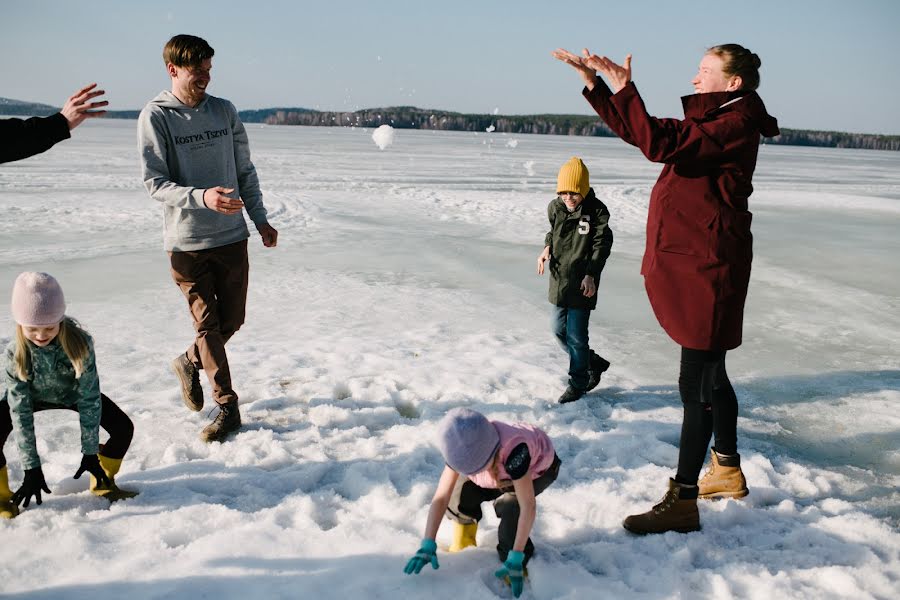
x,y
8,509
463,536
111,492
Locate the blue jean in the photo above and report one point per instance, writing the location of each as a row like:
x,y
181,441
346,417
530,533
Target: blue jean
x,y
570,326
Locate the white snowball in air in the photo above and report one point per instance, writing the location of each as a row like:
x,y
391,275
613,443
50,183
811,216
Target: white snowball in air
x,y
383,136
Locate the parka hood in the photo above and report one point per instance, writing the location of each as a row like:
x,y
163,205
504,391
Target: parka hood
x,y
747,103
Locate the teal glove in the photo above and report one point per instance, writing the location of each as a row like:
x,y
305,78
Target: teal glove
x,y
512,569
427,554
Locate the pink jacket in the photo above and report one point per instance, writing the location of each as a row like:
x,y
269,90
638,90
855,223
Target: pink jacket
x,y
540,448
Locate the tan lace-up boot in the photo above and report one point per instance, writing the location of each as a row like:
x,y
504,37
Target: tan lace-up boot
x,y
723,478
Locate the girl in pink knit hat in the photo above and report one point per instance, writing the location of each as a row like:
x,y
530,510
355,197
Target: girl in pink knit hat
x,y
51,364
508,464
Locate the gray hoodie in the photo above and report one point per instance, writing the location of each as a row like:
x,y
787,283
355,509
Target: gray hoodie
x,y
186,150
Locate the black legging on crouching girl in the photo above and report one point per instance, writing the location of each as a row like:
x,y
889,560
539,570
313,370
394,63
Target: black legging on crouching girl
x,y
115,422
710,406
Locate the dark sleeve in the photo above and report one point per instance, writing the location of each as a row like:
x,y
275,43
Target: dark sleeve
x,y
673,140
603,241
599,101
23,138
518,462
548,239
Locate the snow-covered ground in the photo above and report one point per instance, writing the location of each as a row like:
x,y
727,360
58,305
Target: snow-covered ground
x,y
403,285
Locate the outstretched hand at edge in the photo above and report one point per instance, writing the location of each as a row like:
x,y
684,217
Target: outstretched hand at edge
x,y
78,108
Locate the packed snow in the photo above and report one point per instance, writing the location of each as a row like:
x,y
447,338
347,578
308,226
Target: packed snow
x,y
403,285
383,136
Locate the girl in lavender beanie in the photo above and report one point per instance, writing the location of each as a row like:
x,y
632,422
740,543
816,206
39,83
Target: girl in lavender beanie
x,y
508,464
51,364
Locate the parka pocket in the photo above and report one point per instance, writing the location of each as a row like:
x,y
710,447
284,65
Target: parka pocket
x,y
686,228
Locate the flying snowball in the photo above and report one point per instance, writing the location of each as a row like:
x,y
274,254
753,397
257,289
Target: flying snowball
x,y
490,129
383,136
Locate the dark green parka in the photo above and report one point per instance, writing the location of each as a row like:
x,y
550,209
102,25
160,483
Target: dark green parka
x,y
580,242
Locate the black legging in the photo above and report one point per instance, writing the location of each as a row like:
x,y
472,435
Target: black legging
x,y
115,422
710,405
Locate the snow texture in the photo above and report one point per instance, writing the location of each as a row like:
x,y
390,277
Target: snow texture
x,y
404,285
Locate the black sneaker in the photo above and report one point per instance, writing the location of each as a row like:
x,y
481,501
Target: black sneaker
x,y
599,365
570,395
227,421
189,377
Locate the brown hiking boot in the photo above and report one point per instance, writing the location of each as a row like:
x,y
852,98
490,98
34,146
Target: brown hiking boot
x,y
723,478
189,376
227,421
677,511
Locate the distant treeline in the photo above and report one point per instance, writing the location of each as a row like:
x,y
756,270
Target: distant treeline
x,y
410,117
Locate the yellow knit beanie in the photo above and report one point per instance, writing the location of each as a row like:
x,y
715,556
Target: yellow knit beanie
x,y
573,177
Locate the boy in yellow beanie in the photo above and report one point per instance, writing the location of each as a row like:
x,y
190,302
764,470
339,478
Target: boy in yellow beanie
x,y
577,246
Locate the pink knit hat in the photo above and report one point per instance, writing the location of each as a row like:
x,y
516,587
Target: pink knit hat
x,y
37,300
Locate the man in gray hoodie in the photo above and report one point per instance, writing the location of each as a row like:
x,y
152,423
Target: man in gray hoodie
x,y
196,162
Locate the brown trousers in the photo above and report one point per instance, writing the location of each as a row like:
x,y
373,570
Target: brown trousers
x,y
214,281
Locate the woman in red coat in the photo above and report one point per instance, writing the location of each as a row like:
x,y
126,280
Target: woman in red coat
x,y
696,264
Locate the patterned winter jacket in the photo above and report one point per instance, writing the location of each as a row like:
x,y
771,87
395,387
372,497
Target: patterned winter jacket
x,y
52,384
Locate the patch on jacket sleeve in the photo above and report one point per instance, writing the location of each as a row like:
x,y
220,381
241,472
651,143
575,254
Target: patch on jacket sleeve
x,y
518,462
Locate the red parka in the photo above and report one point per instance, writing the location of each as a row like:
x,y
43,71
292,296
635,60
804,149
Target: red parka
x,y
696,264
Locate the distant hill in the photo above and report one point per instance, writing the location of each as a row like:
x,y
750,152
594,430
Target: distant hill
x,y
411,117
17,108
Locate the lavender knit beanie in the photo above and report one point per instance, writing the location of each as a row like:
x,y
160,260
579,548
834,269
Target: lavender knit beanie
x,y
37,300
467,440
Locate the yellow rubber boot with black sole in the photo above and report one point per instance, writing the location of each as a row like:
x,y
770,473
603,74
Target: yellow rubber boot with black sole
x,y
723,478
111,492
463,536
8,509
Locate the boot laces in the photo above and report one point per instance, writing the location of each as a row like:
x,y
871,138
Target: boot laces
x,y
223,412
666,502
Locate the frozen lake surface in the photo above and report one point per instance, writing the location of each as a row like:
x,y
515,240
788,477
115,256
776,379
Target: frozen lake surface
x,y
403,285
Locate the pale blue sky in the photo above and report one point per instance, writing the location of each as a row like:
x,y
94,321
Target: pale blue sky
x,y
826,64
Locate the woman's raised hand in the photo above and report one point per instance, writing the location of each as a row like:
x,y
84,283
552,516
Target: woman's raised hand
x,y
588,74
617,75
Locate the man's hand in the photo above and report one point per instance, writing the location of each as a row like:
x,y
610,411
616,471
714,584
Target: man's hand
x,y
217,200
77,107
588,287
545,256
268,234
